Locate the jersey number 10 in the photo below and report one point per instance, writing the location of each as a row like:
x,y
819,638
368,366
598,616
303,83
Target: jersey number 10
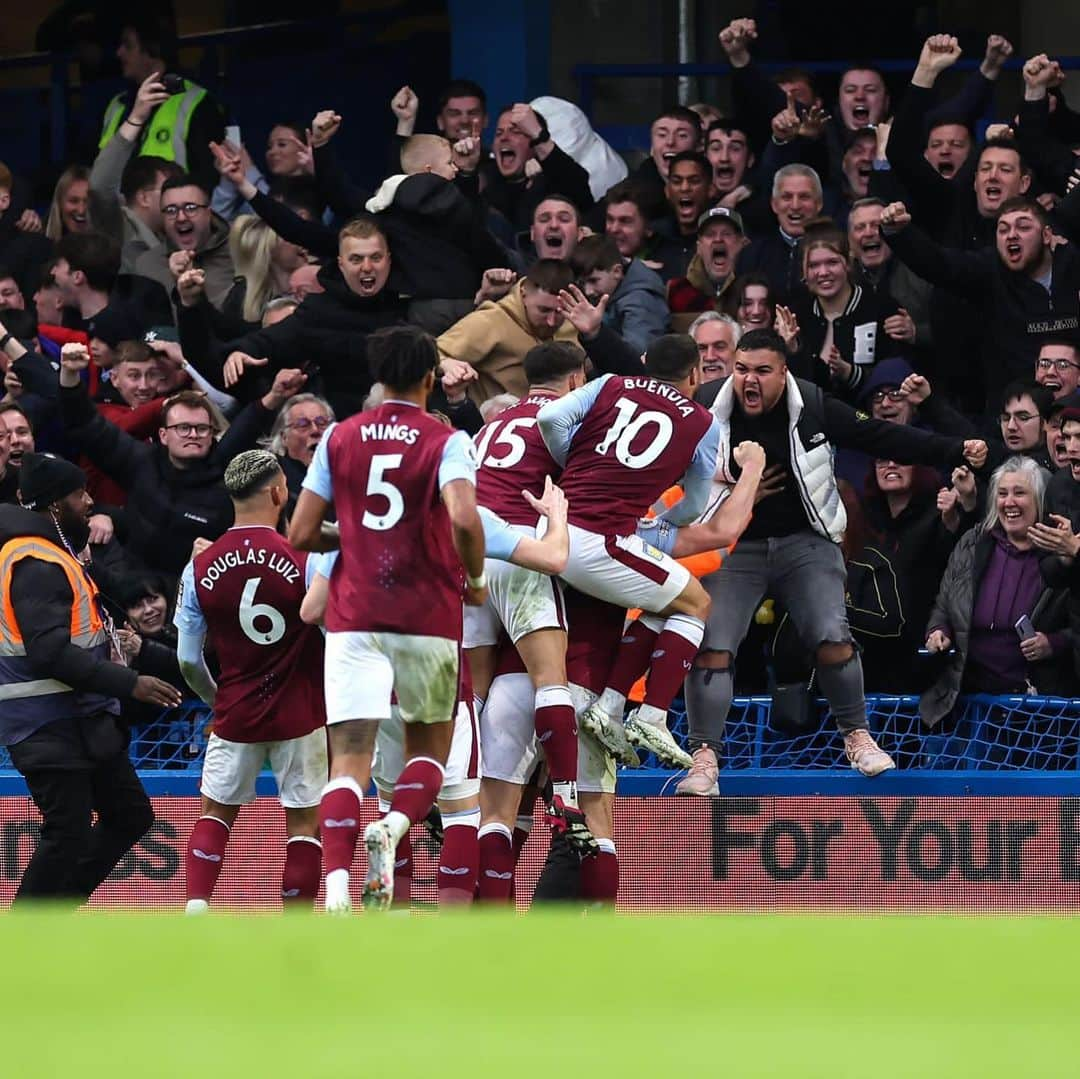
x,y
628,426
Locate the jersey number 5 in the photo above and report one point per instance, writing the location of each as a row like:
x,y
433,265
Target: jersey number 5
x,y
377,484
628,426
250,610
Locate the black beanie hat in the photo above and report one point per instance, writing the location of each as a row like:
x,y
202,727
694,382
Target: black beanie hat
x,y
45,478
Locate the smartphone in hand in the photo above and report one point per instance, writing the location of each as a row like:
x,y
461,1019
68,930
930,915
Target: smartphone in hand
x,y
1025,628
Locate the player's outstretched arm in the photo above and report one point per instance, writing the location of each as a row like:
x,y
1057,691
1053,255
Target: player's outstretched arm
x,y
313,606
309,530
728,523
550,554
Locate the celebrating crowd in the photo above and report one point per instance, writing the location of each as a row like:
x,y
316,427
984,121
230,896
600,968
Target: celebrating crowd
x,y
838,342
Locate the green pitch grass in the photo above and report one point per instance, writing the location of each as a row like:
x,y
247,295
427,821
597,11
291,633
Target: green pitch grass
x,y
557,996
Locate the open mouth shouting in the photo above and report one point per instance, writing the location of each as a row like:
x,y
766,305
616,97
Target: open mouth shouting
x,y
992,193
1014,252
718,258
947,169
860,113
185,234
554,242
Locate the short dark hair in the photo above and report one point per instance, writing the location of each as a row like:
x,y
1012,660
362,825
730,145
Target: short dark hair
x,y
298,193
461,88
1022,202
1003,142
552,361
549,275
800,74
156,31
680,112
554,196
400,356
183,179
728,124
6,273
14,406
93,253
142,172
671,357
595,253
1042,397
132,589
696,157
630,191
1060,340
757,340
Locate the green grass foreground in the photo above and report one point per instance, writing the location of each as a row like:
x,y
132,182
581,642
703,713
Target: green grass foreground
x,y
548,995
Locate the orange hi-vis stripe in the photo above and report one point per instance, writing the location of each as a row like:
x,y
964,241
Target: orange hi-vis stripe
x,y
87,627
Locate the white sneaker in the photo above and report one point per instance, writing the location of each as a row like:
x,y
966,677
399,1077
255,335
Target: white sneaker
x,y
610,734
866,755
656,739
704,776
338,901
379,884
197,906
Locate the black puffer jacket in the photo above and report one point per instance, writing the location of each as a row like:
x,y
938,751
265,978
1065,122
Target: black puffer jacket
x,y
168,507
326,335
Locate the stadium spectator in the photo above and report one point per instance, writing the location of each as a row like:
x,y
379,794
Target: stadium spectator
x,y
66,741
991,584
20,432
796,199
194,238
720,238
716,337
626,221
1057,366
1024,289
521,137
297,431
750,302
69,211
11,296
637,309
329,330
688,192
174,490
842,330
674,131
790,547
492,341
183,123
556,229
875,269
125,190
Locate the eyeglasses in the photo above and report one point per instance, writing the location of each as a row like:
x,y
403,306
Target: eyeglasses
x,y
320,423
1020,417
892,395
188,209
200,430
1057,365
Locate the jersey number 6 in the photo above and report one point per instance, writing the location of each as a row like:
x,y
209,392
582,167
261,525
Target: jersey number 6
x,y
250,610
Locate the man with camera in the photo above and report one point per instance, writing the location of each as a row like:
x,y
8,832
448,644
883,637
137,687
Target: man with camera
x,y
185,120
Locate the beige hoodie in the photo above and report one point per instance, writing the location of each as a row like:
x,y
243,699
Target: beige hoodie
x,y
494,339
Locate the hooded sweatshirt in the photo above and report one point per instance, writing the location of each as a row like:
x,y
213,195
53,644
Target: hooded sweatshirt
x,y
494,339
439,243
213,258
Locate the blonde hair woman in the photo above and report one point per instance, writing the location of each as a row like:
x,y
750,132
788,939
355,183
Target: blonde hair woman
x,y
70,208
263,260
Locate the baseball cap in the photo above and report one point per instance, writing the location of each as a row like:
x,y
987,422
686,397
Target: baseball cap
x,y
721,213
